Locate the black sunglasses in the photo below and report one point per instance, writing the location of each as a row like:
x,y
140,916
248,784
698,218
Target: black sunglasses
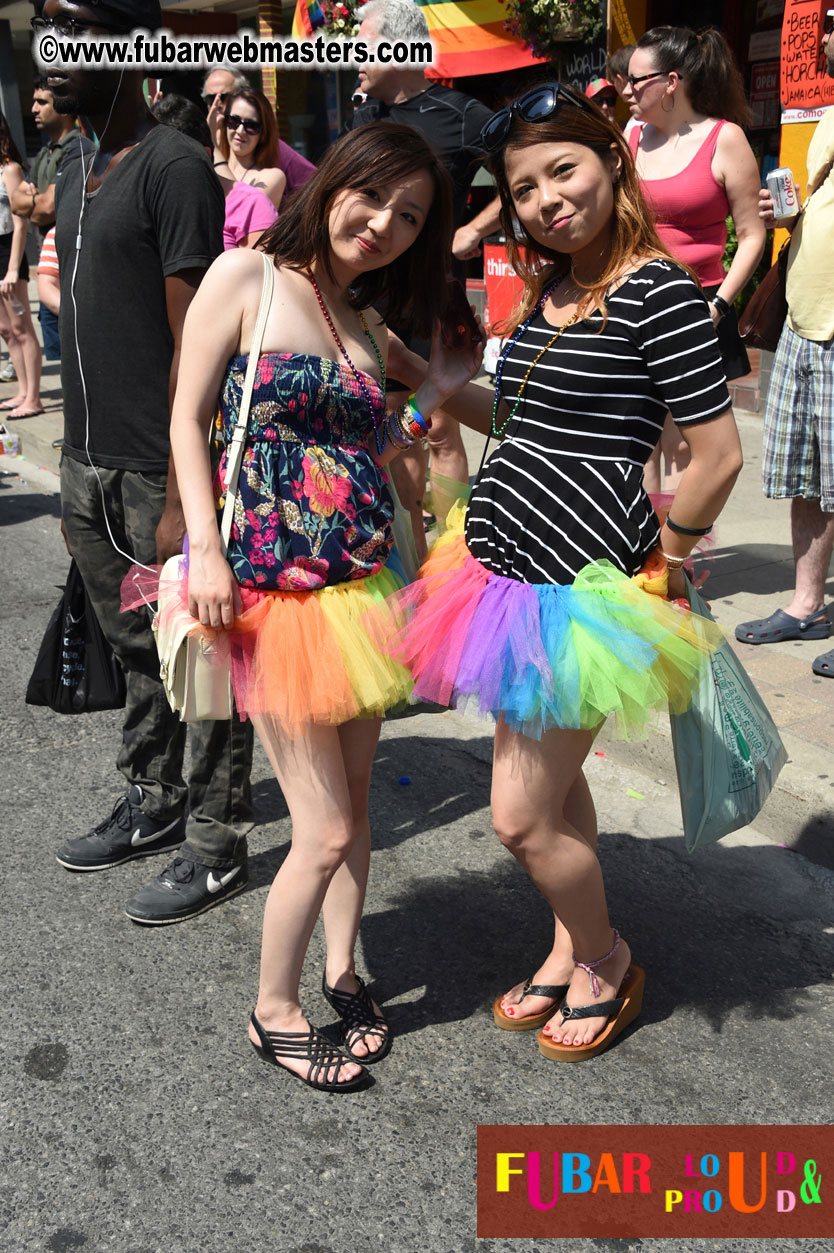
x,y
222,96
534,106
828,23
233,123
633,80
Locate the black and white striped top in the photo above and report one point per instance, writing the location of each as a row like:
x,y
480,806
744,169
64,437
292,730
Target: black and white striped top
x,y
565,488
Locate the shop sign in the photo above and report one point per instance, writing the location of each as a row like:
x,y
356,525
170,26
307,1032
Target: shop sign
x,y
764,44
804,81
764,94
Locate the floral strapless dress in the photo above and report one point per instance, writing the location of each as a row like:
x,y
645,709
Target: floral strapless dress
x,y
313,508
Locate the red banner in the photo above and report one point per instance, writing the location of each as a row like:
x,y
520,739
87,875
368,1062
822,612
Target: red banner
x,y
699,1182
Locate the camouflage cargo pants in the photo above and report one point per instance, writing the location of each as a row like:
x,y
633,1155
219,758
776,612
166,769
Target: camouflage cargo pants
x,y
153,738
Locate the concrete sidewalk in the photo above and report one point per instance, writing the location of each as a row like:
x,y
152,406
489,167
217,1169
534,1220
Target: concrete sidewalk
x,y
752,574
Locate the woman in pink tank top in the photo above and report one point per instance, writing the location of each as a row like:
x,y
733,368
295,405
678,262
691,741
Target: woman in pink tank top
x,y
696,169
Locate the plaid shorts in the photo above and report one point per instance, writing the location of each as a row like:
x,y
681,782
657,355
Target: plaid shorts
x,y
798,440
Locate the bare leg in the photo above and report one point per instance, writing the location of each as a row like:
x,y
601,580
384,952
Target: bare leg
x,y
532,781
812,532
557,967
14,336
448,455
409,471
311,772
32,355
345,897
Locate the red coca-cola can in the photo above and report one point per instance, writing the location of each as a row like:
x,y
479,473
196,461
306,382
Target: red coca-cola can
x,y
781,186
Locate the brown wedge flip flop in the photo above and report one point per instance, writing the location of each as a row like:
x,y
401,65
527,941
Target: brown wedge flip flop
x,y
623,1010
555,992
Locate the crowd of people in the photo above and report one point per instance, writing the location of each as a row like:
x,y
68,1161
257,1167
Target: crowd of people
x,y
556,597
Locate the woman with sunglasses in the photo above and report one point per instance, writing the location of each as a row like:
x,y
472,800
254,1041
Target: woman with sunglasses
x,y
535,611
248,144
310,547
697,169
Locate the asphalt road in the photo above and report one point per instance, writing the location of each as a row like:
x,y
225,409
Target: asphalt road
x,y
137,1118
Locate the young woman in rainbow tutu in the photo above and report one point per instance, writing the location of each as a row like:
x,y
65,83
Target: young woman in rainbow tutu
x,y
550,605
310,546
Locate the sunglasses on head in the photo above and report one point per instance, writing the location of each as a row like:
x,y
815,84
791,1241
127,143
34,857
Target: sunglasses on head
x,y
222,96
233,123
534,106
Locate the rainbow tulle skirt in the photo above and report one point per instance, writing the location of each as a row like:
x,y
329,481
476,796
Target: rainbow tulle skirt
x,y
300,657
545,655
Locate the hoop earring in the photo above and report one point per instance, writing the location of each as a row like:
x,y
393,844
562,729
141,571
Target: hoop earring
x,y
668,110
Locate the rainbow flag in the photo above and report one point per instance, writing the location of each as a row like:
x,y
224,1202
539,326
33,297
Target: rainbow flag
x,y
468,35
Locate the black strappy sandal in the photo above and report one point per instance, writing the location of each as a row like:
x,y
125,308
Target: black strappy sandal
x,y
359,1018
310,1046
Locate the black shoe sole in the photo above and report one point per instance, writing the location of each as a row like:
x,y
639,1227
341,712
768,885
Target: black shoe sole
x,y
210,904
133,855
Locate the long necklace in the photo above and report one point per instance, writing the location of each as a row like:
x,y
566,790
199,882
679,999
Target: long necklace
x,y
499,369
357,374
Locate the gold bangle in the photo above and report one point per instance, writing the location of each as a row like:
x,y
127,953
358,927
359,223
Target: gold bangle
x,y
674,563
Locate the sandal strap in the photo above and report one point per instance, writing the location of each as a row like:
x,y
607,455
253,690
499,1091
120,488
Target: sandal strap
x,y
356,1011
552,991
604,1010
309,1046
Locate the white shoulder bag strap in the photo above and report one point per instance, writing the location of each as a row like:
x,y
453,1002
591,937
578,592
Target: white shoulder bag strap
x,y
234,455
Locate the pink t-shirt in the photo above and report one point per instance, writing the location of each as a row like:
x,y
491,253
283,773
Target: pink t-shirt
x,y
248,209
690,210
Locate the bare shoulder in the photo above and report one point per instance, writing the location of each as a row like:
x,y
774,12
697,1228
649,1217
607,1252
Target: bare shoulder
x,y
732,141
233,272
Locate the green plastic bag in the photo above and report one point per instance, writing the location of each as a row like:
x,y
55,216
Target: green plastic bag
x,y
728,753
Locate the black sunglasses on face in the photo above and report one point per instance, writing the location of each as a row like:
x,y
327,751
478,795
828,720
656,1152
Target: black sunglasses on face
x,y
643,78
534,106
233,123
828,23
222,96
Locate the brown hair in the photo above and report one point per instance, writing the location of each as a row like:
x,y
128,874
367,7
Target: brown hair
x,y
634,235
706,66
8,147
266,149
412,288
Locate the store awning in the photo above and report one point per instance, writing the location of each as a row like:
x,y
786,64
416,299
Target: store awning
x,y
469,36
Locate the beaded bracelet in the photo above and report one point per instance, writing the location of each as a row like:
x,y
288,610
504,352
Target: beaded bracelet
x,y
687,530
402,429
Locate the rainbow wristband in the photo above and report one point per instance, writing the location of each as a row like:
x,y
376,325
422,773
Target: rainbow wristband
x,y
423,423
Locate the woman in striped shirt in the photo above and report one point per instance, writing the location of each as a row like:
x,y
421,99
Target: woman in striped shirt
x,y
535,610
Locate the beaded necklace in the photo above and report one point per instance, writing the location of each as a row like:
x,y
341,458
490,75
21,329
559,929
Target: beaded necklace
x,y
357,374
499,369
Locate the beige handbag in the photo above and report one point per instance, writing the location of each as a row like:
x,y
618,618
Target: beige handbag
x,y
194,659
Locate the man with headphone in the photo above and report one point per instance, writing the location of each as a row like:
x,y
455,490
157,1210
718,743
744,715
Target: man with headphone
x,y
137,226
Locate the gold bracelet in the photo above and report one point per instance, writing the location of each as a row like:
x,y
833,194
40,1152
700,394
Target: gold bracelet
x,y
674,563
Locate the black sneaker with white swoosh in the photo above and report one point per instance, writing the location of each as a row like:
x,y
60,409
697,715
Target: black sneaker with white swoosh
x,y
126,834
184,889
